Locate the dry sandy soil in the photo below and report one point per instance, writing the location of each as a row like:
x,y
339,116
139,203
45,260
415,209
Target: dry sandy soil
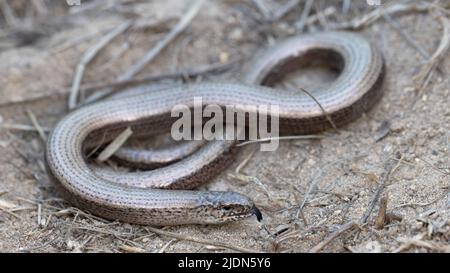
x,y
335,177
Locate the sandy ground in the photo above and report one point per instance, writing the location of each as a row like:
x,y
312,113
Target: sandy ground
x,y
338,175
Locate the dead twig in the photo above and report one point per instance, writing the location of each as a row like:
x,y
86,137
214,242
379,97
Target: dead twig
x,y
21,127
373,16
67,44
280,138
332,236
261,5
285,9
322,109
8,13
248,178
381,218
40,7
422,78
131,249
320,16
39,215
400,29
88,56
300,25
201,70
326,114
37,125
322,19
166,246
7,206
11,213
388,170
154,51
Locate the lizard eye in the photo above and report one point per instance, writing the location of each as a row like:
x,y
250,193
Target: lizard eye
x,y
227,208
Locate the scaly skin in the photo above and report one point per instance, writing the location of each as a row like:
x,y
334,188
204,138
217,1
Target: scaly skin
x,y
354,91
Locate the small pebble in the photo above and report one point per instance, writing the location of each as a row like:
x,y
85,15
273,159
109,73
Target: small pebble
x,y
224,57
236,35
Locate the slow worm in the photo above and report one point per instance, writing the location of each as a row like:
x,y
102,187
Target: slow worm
x,y
128,197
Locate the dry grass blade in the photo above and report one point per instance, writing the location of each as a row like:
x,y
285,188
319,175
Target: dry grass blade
x,y
292,86
73,42
375,15
400,29
166,246
88,57
8,13
115,145
7,206
320,16
330,120
306,10
20,127
40,6
151,54
280,138
36,124
11,213
131,249
261,5
285,9
422,77
154,51
201,241
322,19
